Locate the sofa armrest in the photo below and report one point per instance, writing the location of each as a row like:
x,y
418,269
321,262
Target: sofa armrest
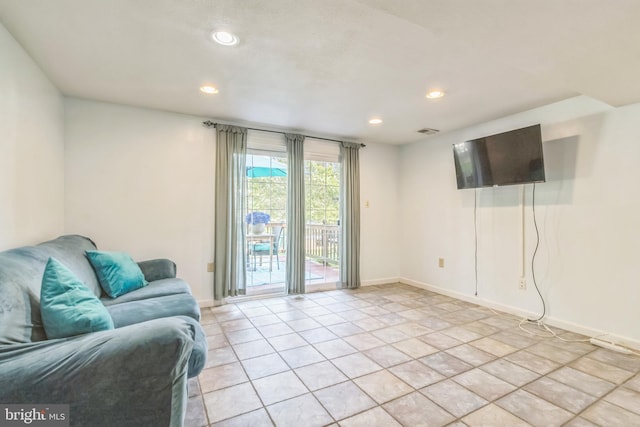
x,y
131,376
158,269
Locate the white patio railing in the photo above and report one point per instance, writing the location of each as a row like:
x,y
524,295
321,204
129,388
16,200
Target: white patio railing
x,y
322,242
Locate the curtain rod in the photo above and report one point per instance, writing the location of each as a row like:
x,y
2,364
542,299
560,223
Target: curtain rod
x,y
209,124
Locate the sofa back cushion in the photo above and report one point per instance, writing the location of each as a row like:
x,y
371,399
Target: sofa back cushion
x,y
21,272
70,251
20,278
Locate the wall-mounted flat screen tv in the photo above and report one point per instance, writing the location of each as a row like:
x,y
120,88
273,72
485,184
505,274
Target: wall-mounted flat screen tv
x,y
507,158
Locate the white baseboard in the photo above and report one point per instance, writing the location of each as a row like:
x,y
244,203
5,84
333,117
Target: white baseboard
x,y
469,298
551,321
375,282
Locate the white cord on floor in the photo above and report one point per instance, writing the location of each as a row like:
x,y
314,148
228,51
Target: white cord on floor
x,y
547,332
553,334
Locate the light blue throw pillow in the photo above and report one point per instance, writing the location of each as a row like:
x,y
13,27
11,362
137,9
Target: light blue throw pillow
x,y
117,272
68,306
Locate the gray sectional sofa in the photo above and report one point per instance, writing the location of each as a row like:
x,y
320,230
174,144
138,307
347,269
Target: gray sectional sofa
x,y
133,375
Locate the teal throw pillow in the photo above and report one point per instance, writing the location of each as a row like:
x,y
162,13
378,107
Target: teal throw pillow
x,y
117,272
68,306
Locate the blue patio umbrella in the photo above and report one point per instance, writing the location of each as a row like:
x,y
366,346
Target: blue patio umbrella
x,y
264,166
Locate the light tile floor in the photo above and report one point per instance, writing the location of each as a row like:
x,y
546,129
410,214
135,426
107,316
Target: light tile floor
x,y
395,355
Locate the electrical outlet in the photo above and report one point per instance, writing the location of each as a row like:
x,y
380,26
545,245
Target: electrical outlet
x,y
523,283
210,267
441,262
367,204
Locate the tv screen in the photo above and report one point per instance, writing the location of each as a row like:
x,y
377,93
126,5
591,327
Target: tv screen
x,y
508,158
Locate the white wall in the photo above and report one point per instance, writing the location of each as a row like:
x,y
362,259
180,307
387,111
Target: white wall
x,y
31,150
380,239
588,213
141,181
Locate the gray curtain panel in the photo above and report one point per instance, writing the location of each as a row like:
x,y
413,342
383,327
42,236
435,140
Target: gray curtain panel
x,y
295,215
231,179
350,215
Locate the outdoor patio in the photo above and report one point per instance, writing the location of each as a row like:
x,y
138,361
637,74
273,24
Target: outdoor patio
x,y
322,252
261,280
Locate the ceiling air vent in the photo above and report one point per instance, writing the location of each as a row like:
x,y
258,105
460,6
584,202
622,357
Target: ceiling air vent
x,y
428,131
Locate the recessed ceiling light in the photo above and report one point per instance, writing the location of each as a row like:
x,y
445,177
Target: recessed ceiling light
x,y
224,38
208,90
375,121
433,94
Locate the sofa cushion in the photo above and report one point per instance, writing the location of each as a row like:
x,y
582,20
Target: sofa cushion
x,y
68,307
117,272
158,269
154,308
157,288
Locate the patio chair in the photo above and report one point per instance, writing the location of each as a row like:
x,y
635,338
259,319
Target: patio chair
x,y
262,249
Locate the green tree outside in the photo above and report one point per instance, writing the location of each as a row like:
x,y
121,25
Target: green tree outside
x,y
322,194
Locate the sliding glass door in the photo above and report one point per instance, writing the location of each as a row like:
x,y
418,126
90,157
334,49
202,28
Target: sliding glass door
x,y
266,210
322,214
266,222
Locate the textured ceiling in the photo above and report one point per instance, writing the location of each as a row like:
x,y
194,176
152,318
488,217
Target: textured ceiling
x,y
325,67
